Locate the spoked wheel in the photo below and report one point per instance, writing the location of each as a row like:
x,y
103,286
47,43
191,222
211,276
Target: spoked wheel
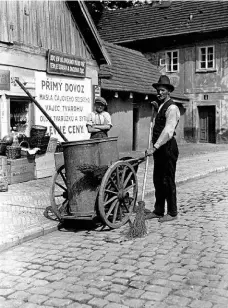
x,y
59,195
117,194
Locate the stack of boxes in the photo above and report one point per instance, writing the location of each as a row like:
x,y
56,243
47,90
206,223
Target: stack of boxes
x,y
28,168
20,170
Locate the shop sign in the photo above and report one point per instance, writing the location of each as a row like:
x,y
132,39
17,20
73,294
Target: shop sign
x,y
5,80
68,101
64,64
97,91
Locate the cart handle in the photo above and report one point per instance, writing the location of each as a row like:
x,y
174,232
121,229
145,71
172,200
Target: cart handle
x,y
41,109
137,160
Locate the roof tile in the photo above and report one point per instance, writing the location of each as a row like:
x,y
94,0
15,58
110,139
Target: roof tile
x,y
130,71
149,21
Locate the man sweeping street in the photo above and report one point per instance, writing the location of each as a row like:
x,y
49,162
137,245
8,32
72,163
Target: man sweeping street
x,y
165,152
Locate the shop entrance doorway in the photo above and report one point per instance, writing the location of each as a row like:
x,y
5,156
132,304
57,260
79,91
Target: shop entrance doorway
x,y
207,124
20,115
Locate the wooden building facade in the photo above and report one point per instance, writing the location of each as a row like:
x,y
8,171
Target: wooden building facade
x,y
34,33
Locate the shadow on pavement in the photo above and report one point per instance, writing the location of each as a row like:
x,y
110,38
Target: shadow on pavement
x,y
82,225
75,225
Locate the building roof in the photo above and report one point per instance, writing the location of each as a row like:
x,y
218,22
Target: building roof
x,y
89,30
129,71
179,17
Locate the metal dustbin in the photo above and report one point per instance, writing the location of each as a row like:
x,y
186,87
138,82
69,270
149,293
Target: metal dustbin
x,y
82,191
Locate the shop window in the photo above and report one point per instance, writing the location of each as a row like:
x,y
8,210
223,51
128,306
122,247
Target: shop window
x,y
19,115
172,61
206,58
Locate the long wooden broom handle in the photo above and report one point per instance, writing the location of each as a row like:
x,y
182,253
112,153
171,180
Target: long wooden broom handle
x,y
147,158
41,109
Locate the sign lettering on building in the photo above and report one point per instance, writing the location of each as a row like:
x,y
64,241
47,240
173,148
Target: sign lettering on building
x,y
5,80
64,64
68,101
97,91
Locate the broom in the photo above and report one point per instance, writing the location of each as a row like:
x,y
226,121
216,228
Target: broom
x,y
138,226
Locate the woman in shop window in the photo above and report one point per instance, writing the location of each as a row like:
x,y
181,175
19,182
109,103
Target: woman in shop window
x,y
99,121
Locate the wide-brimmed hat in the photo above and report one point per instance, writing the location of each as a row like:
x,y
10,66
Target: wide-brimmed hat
x,y
164,81
101,100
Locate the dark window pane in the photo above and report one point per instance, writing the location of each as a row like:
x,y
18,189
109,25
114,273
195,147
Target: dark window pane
x,y
203,51
202,64
210,57
168,61
169,55
210,50
210,64
203,58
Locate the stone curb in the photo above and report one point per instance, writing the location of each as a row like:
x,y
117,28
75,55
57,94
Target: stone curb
x,y
28,235
38,231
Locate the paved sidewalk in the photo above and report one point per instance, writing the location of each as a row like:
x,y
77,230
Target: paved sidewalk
x,y
22,207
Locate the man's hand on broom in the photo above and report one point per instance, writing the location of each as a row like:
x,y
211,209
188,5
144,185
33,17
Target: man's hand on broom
x,y
150,152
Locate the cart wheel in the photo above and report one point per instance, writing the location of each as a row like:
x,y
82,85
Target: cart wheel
x,y
59,195
117,194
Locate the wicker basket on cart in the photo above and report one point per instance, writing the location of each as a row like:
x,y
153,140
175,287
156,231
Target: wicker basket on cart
x,y
42,143
13,152
38,131
24,139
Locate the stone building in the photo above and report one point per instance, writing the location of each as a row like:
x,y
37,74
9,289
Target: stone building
x,y
188,41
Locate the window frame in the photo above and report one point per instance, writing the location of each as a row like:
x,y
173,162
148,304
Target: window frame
x,y
172,64
206,68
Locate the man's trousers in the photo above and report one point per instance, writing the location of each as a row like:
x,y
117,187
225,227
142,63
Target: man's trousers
x,y
165,159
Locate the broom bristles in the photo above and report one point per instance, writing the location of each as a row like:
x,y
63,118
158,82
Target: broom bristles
x,y
138,227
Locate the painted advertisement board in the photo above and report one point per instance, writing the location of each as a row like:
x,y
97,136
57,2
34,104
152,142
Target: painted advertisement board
x,y
68,101
64,64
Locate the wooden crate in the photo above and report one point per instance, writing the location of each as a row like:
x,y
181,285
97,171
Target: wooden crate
x,y
20,170
3,166
44,165
59,160
52,145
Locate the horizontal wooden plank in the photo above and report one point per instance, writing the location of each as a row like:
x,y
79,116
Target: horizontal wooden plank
x,y
43,173
28,60
44,24
20,178
45,161
19,162
19,169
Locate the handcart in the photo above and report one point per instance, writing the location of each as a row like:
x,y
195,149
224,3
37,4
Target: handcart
x,y
93,182
108,191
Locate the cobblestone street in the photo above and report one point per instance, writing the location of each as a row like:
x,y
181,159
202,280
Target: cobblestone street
x,y
178,264
22,207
